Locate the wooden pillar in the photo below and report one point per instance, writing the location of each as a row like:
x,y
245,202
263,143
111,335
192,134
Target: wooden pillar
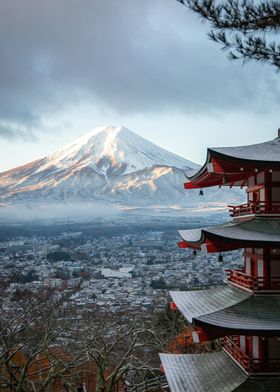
x,y
268,188
267,267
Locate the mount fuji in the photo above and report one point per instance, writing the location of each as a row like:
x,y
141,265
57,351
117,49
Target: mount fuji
x,y
108,164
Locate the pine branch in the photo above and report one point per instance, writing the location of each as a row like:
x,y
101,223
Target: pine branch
x,y
239,15
243,27
248,48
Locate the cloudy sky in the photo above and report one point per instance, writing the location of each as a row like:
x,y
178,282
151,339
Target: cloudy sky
x,y
67,66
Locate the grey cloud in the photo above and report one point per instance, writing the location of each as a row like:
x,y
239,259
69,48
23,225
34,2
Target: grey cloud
x,y
16,131
129,55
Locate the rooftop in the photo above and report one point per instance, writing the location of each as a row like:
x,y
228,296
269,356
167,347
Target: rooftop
x,y
213,372
233,165
256,231
261,152
193,304
230,309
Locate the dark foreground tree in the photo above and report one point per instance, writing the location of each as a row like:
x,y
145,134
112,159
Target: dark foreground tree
x,y
247,29
32,357
46,345
117,349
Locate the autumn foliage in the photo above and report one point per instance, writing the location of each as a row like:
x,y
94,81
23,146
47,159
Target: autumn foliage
x,y
76,376
183,343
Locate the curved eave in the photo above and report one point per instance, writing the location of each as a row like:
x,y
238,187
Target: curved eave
x,y
229,175
215,372
202,241
212,372
233,235
193,237
203,169
208,180
216,331
220,242
194,304
269,152
215,153
229,310
234,164
259,315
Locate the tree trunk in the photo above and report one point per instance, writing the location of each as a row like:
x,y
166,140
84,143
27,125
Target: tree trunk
x,y
100,382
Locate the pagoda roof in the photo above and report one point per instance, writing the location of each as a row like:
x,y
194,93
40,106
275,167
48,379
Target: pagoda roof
x,y
262,152
233,165
212,372
194,304
215,372
230,309
256,231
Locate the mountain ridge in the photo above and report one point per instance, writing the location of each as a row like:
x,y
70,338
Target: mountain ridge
x,y
108,163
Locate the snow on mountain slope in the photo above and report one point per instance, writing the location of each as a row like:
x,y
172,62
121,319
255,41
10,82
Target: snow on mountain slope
x,y
108,163
114,151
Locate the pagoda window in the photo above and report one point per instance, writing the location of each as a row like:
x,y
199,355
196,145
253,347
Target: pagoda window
x,y
275,252
260,178
251,181
275,194
273,348
262,195
242,342
260,273
275,274
258,251
249,345
275,267
250,197
275,176
248,266
256,347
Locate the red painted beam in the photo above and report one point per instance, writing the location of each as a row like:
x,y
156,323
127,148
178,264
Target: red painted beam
x,y
209,246
215,167
191,185
173,306
215,247
183,245
200,336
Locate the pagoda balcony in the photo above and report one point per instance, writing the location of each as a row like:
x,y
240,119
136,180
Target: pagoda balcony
x,y
255,209
231,347
251,365
254,283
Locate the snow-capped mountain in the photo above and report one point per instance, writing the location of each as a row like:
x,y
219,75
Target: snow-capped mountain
x,y
114,151
109,164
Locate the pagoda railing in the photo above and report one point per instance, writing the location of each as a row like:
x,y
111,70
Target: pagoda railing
x,y
255,208
230,345
256,365
253,283
242,279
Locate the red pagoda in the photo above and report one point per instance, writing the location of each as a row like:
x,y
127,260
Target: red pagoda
x,y
244,314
